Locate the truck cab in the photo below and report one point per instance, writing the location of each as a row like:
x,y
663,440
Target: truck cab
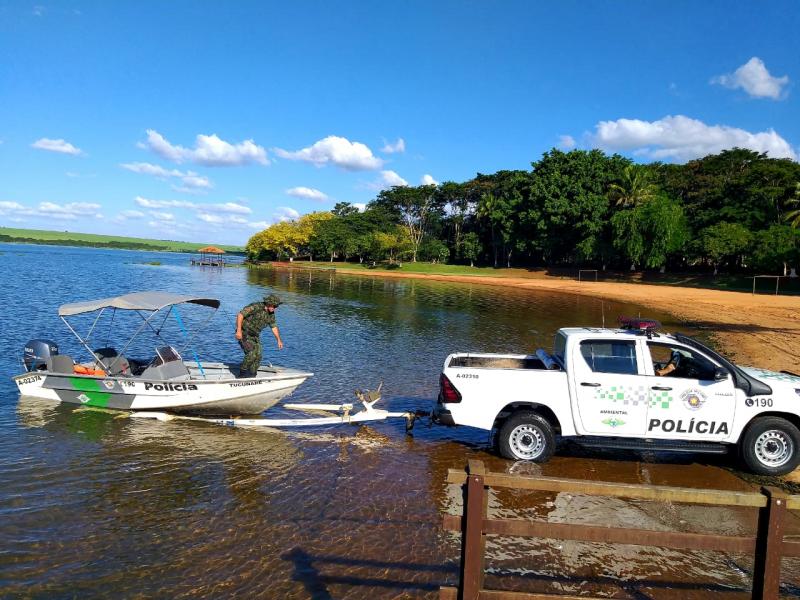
x,y
631,387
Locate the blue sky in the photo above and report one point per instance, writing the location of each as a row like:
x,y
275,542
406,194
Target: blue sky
x,y
206,121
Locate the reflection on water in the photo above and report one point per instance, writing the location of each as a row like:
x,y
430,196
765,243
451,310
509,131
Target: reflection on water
x,y
92,502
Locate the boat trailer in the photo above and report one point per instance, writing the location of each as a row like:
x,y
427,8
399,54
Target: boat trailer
x,y
345,415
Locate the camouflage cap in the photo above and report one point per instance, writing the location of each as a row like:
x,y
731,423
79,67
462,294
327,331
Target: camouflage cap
x,y
272,300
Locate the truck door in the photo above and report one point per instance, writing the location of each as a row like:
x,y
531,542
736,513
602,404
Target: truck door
x,y
686,400
611,396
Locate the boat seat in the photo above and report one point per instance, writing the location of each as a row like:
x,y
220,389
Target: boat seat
x,y
116,365
173,370
61,363
113,362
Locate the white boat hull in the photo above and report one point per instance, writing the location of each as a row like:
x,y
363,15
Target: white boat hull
x,y
215,391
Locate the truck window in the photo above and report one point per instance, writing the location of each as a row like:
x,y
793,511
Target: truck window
x,y
559,346
689,364
612,356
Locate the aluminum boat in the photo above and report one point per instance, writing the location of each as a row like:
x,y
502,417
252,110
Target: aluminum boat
x,y
166,382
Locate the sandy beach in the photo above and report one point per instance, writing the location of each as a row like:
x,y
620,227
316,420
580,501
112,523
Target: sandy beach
x,y
760,330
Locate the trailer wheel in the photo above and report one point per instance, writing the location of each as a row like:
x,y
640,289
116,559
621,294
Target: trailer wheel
x,y
770,446
526,436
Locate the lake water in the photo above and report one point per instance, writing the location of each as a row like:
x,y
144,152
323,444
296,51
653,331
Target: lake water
x,y
94,505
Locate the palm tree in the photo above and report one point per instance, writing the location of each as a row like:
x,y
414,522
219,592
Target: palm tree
x,y
634,189
794,215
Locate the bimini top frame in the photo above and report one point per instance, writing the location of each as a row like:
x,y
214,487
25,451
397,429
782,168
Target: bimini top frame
x,y
152,302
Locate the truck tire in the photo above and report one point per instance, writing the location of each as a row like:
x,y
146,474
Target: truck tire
x,y
770,446
526,436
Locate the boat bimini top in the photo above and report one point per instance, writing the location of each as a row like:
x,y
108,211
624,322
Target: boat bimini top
x,y
149,301
139,302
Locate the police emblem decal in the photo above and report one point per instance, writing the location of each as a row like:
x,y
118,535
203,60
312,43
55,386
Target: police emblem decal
x,y
693,399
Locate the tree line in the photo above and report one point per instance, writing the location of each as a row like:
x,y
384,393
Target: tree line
x,y
738,210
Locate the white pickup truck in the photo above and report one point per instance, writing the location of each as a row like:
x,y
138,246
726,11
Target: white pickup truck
x,y
625,388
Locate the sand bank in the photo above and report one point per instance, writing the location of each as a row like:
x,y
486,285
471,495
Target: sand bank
x,y
760,330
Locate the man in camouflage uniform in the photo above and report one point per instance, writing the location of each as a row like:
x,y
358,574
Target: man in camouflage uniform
x,y
250,322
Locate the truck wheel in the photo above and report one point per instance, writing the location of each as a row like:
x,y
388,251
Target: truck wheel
x,y
771,446
526,436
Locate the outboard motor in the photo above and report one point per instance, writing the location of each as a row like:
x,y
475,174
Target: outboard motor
x,y
38,355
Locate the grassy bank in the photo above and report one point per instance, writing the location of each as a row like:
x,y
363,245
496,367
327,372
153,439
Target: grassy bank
x,y
69,238
740,283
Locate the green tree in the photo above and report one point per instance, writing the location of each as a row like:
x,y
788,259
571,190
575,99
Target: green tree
x,y
416,208
634,187
459,201
570,193
499,212
344,209
649,232
776,248
724,241
391,244
793,215
471,247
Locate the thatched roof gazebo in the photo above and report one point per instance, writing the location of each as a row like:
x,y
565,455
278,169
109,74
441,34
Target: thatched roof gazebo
x,y
210,256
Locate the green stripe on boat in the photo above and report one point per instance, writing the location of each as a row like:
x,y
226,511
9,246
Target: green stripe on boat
x,y
91,394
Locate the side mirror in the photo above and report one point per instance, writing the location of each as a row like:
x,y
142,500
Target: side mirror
x,y
721,374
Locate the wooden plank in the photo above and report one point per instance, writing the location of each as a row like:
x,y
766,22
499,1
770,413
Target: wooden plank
x,y
660,493
475,467
452,523
793,503
612,535
790,548
504,595
473,539
767,565
448,593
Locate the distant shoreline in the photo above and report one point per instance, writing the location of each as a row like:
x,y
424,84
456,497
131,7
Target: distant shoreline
x,y
90,240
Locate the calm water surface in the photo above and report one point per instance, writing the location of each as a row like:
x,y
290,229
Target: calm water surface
x,y
97,505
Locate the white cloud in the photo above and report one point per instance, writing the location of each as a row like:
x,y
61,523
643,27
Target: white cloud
x,y
428,180
386,180
398,147
230,208
59,145
163,216
51,210
308,193
285,213
147,203
681,138
227,207
234,221
754,78
335,150
209,150
6,207
566,142
192,182
39,10
126,215
361,206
